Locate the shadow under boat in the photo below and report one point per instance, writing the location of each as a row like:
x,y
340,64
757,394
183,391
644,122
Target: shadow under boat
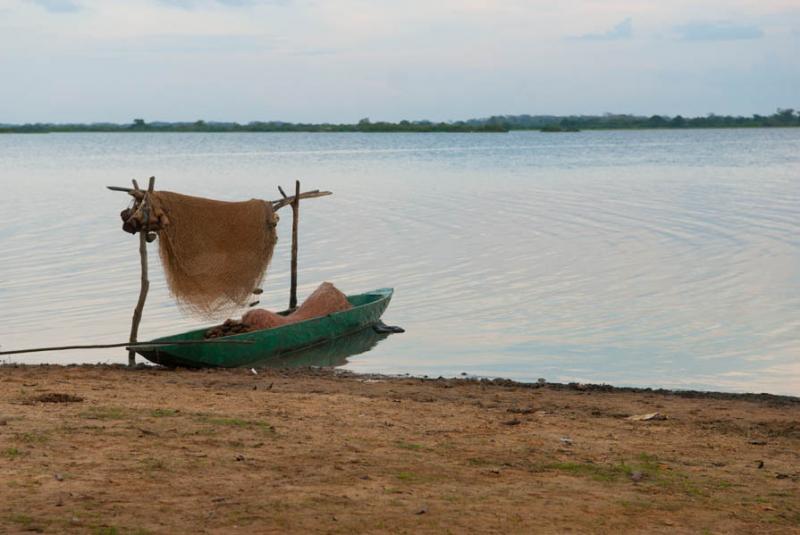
x,y
325,355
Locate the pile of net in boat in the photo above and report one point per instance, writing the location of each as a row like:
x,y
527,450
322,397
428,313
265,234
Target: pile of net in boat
x,y
325,300
214,253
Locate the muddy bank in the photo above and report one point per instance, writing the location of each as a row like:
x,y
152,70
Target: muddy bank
x,y
104,449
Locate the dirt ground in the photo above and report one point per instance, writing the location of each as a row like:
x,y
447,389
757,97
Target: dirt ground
x,y
108,450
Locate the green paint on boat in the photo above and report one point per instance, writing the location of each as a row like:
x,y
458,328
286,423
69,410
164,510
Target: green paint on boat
x,y
270,343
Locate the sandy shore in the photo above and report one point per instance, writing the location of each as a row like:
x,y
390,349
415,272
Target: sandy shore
x,y
103,449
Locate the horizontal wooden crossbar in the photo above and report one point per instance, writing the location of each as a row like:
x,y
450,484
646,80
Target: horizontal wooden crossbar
x,y
276,205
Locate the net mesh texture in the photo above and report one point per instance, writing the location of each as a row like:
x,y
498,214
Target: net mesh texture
x,y
326,299
214,253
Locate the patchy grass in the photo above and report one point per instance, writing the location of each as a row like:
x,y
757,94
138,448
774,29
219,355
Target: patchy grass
x,y
162,413
11,453
644,504
477,461
681,482
33,437
105,413
151,464
237,422
407,476
648,461
598,472
114,530
646,464
652,472
25,520
409,446
637,506
28,523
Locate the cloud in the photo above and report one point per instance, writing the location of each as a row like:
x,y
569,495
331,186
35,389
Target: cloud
x,y
192,4
623,30
57,6
717,31
198,44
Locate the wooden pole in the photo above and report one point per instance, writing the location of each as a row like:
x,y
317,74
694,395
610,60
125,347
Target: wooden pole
x,y
295,221
277,205
145,282
128,344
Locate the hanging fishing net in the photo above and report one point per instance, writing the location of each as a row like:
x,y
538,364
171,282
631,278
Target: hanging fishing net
x,y
214,253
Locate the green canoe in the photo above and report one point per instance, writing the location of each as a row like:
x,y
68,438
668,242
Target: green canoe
x,y
268,343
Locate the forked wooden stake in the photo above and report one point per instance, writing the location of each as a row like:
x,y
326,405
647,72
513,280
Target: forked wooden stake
x,y
295,221
145,282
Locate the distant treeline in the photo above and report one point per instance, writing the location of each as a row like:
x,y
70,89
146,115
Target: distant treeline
x,y
497,123
609,121
365,125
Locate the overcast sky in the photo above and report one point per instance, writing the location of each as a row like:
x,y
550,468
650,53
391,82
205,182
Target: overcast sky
x,y
341,60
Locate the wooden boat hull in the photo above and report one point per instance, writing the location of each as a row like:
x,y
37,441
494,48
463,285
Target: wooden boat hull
x,y
367,310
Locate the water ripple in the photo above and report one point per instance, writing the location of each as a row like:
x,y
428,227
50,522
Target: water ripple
x,y
647,258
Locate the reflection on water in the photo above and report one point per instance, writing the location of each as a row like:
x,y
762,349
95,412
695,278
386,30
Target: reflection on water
x,y
329,354
658,258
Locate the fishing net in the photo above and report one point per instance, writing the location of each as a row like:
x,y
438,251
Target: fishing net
x,y
214,253
325,300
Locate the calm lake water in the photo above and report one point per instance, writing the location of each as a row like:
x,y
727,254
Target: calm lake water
x,y
655,258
